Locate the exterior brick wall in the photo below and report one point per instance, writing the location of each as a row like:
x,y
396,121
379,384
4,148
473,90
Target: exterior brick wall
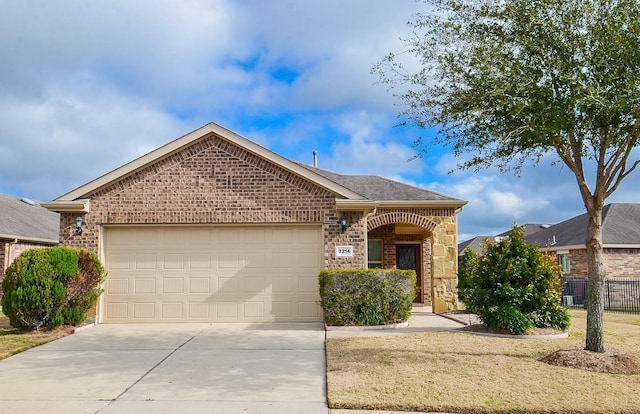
x,y
619,264
622,263
216,182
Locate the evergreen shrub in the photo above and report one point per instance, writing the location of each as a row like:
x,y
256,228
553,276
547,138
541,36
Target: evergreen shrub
x,y
513,286
51,286
356,297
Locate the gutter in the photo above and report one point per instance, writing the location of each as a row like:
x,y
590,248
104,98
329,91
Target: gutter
x,y
15,239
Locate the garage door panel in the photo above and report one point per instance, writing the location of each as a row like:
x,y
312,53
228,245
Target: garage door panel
x,y
117,286
144,285
200,261
199,285
146,261
173,310
173,261
173,285
230,274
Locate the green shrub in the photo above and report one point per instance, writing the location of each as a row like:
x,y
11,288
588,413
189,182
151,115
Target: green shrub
x,y
51,286
513,286
366,296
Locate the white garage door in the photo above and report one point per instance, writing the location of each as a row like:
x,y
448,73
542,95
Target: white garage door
x,y
215,274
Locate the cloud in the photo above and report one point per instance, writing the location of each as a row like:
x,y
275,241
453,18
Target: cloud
x,y
74,135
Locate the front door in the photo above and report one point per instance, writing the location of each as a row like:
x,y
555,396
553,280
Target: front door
x,y
408,258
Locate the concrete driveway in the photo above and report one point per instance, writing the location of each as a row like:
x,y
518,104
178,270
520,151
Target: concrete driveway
x,y
172,368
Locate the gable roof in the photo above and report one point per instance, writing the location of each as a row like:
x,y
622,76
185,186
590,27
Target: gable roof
x,y
382,189
620,228
84,191
27,220
352,192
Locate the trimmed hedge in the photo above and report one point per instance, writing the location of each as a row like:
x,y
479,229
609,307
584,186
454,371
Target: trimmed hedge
x,y
357,297
51,286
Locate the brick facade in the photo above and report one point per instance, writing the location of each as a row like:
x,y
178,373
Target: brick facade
x,y
215,181
619,263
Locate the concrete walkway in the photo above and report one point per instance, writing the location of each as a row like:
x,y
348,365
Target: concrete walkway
x,y
172,368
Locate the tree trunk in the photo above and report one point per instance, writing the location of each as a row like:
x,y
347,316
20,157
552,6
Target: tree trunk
x,y
596,272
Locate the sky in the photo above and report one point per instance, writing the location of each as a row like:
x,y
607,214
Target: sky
x,y
86,87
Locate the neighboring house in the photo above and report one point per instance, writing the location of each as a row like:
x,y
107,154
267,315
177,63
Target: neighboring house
x,y
24,224
477,242
620,240
213,227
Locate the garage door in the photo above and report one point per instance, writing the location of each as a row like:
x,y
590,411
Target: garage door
x,y
214,274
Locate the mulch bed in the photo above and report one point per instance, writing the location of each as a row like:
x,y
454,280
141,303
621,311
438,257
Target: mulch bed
x,y
609,362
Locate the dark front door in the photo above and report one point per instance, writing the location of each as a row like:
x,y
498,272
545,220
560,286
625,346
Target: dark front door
x,y
408,258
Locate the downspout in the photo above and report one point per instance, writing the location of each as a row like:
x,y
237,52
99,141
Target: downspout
x,y
8,258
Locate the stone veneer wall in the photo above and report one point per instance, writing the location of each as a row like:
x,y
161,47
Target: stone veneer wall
x,y
442,253
216,182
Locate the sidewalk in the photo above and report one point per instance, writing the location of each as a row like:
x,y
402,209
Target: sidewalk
x,y
421,320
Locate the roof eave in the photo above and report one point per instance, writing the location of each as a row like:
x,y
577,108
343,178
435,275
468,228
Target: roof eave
x,y
454,203
359,205
72,206
194,136
17,238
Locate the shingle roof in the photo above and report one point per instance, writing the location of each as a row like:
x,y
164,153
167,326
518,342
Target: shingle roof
x,y
475,244
22,218
529,229
620,226
378,188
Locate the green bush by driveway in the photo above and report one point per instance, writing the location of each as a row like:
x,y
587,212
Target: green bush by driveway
x,y
366,296
51,286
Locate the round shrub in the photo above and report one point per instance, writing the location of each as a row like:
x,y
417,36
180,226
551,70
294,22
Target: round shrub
x,y
51,286
512,286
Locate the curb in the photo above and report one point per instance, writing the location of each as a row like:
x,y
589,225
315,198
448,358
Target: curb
x,y
553,336
367,327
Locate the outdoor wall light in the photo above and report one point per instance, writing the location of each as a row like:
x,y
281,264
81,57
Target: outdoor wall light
x,y
79,225
344,222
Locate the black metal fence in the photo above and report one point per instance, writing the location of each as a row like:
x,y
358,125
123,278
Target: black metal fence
x,y
619,295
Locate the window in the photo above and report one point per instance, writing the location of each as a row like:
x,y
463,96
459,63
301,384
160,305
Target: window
x,y
565,262
374,249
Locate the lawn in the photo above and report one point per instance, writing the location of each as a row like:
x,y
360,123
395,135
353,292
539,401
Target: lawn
x,y
462,373
13,342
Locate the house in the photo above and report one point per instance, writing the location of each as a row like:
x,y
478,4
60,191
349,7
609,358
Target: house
x,y
213,227
620,239
477,242
24,224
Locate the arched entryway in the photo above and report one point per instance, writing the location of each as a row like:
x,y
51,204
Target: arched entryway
x,y
403,240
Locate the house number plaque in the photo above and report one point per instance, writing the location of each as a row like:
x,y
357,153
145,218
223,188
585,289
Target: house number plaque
x,y
344,251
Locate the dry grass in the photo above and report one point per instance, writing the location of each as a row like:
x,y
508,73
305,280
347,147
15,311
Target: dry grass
x,y
13,342
456,372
